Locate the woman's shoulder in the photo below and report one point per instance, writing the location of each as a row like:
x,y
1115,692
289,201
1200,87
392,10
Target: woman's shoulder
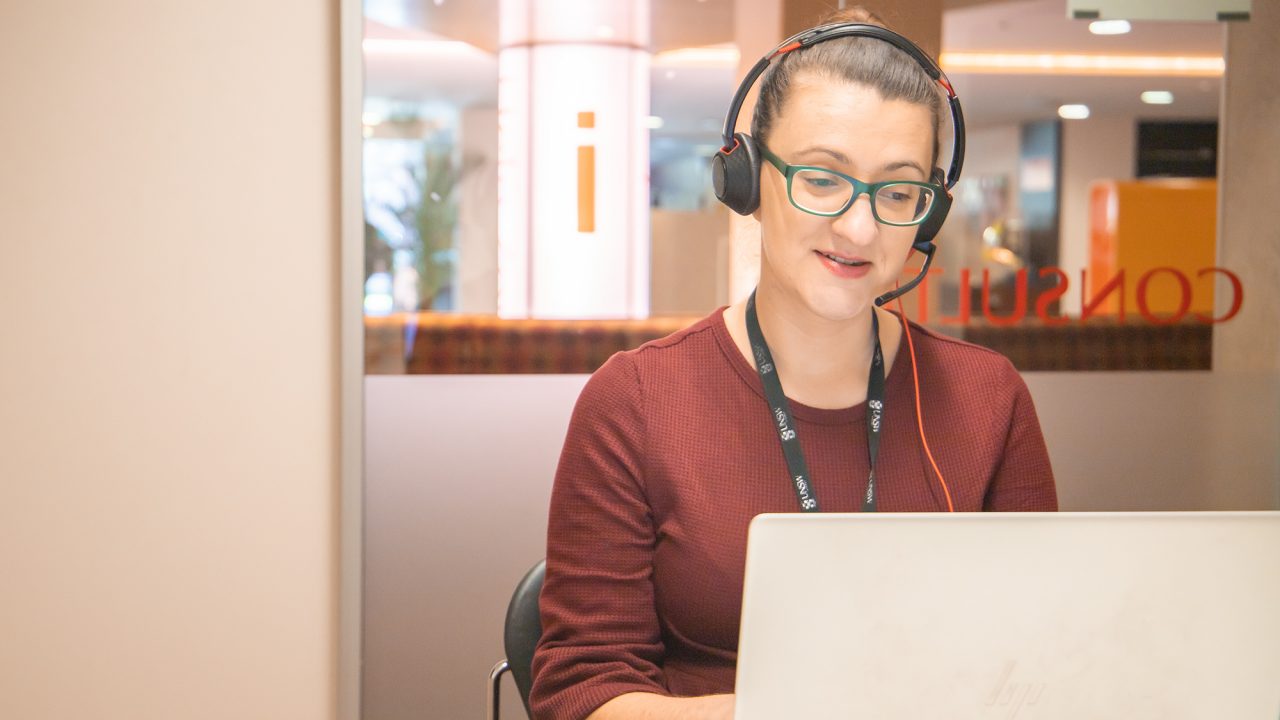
x,y
697,338
696,345
942,357
973,389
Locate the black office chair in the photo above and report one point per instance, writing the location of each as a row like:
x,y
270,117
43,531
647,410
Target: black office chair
x,y
519,637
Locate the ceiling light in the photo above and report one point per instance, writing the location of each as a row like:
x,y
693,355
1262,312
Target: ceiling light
x,y
716,56
1073,112
653,122
1109,27
1157,97
1068,64
403,46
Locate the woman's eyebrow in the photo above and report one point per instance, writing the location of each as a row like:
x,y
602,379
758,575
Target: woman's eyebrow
x,y
836,154
842,158
905,164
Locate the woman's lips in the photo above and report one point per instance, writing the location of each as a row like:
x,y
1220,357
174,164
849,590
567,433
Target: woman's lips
x,y
843,266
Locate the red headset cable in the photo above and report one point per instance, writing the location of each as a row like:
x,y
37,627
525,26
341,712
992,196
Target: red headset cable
x,y
915,377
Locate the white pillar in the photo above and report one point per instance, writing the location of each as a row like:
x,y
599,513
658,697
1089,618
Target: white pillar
x,y
573,162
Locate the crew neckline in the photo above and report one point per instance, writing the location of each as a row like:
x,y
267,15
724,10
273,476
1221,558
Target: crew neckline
x,y
855,414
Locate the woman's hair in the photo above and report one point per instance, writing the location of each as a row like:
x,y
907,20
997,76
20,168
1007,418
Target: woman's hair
x,y
863,60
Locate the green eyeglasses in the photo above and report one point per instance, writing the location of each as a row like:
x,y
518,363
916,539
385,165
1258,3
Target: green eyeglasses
x,y
824,192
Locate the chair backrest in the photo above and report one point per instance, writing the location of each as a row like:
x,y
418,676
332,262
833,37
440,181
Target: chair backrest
x,y
523,628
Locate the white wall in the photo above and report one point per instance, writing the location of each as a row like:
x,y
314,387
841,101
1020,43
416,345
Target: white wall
x,y
989,152
993,150
458,481
1096,148
168,368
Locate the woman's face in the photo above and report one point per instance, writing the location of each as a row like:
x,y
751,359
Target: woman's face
x,y
836,266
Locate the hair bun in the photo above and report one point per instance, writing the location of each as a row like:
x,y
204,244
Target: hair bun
x,y
855,14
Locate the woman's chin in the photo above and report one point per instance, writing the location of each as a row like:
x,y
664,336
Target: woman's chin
x,y
837,306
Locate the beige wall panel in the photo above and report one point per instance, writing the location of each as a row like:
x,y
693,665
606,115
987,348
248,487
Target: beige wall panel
x,y
688,261
919,20
168,373
1249,216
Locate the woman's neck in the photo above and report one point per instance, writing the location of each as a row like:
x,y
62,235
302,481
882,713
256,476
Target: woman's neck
x,y
821,363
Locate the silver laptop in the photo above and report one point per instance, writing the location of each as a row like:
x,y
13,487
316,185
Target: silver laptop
x,y
1026,616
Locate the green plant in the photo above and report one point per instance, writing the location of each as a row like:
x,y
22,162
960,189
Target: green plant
x,y
435,218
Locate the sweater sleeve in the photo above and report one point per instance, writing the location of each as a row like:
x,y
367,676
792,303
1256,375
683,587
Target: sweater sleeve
x,y
600,631
1024,479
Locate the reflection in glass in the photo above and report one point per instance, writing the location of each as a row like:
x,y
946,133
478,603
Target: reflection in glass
x,y
431,162
1011,256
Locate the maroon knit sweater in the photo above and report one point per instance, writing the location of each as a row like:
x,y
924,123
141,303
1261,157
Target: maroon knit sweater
x,y
670,453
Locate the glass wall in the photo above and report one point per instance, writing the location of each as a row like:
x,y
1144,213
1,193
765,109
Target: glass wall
x,y
1079,240
476,179
518,223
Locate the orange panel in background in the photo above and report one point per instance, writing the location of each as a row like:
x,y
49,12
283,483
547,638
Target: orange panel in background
x,y
1138,226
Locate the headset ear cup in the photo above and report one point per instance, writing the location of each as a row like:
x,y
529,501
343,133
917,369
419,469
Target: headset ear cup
x,y
941,206
735,175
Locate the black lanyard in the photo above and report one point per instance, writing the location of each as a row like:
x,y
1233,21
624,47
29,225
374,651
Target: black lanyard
x,y
781,412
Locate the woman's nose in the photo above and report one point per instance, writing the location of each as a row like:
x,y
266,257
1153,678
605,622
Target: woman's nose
x,y
858,224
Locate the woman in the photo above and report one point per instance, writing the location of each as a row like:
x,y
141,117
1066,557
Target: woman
x,y
673,447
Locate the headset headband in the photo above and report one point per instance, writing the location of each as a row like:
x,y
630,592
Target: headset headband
x,y
821,33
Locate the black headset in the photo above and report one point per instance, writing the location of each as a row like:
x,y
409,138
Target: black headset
x,y
735,168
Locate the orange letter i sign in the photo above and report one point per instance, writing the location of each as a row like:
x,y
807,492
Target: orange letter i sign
x,y
586,178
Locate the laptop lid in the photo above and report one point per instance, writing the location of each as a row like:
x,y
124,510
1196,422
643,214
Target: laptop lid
x,y
1033,616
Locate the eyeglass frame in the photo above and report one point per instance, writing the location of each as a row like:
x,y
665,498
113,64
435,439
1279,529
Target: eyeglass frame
x,y
789,171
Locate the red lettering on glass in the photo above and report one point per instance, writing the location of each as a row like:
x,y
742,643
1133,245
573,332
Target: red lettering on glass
x,y
1019,300
1237,295
1048,296
1184,303
1089,307
963,317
